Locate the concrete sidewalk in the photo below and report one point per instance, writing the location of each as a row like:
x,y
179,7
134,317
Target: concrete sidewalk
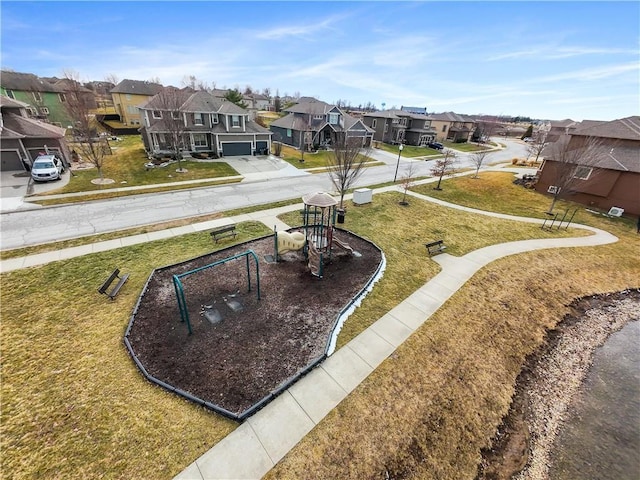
x,y
266,437
251,450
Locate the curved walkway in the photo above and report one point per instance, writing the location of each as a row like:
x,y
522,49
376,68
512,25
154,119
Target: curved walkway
x,y
252,449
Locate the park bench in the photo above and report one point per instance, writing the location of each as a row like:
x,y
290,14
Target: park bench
x,y
114,291
223,232
435,247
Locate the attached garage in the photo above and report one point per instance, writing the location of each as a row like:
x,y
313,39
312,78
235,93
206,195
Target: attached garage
x,y
10,161
231,149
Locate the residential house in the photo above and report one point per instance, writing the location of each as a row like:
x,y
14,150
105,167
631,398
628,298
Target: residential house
x,y
44,100
452,127
23,138
210,125
557,128
400,126
613,179
314,123
128,95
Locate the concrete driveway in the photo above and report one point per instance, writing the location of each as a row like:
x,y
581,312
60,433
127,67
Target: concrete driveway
x,y
14,186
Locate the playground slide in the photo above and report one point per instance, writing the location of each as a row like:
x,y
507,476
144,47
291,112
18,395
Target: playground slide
x,y
290,241
315,261
342,245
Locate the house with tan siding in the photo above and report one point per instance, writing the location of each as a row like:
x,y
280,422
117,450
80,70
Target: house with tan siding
x,y
128,95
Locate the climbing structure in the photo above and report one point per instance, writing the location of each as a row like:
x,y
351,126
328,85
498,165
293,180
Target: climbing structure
x,y
319,216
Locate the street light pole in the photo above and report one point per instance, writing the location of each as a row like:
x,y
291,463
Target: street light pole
x,y
400,147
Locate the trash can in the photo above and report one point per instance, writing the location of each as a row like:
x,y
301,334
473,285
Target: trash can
x,y
341,213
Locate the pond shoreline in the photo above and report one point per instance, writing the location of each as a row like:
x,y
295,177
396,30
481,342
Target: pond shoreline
x,y
549,382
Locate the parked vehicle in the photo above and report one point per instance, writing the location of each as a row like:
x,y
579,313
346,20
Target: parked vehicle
x,y
435,145
47,167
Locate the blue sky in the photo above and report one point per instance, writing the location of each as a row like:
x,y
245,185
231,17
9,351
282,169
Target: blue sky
x,y
548,60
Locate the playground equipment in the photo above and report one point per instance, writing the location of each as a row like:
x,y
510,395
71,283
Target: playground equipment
x,y
286,242
213,316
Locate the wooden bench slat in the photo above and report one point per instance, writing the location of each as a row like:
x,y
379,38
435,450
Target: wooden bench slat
x,y
222,232
114,291
435,247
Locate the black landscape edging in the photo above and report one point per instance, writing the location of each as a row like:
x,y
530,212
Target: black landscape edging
x,y
283,386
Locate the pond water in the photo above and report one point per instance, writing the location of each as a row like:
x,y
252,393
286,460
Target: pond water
x,y
601,437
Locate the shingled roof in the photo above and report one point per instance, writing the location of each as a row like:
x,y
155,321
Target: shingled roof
x,y
623,129
137,87
26,82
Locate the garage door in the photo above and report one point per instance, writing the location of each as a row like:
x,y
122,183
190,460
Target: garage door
x,y
236,148
10,160
261,148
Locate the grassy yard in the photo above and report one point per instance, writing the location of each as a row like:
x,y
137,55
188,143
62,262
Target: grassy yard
x,y
465,147
75,406
126,167
311,159
408,151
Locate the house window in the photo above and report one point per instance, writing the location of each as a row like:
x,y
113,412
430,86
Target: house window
x,y
44,110
374,123
175,115
132,109
157,114
235,121
444,128
10,94
318,117
200,139
288,132
386,127
333,118
197,119
214,118
128,96
32,111
62,97
583,173
37,97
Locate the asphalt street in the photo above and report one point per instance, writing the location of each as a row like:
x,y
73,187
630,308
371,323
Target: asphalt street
x,y
21,228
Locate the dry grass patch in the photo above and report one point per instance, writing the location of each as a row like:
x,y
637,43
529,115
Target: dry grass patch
x,y
430,408
73,403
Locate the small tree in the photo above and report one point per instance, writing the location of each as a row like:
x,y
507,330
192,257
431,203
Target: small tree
x,y
345,164
445,165
569,163
477,159
528,133
538,145
90,145
169,101
407,181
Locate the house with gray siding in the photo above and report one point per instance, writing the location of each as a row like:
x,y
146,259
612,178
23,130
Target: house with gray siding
x,y
400,126
23,138
210,125
313,124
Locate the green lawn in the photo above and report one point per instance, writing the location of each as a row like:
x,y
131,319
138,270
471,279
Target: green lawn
x,y
126,167
465,147
408,151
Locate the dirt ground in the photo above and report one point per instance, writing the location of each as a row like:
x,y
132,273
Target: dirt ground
x,y
511,447
242,349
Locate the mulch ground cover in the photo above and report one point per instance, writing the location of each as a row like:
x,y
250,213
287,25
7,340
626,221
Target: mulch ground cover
x,y
243,348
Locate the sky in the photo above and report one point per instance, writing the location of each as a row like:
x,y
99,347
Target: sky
x,y
545,60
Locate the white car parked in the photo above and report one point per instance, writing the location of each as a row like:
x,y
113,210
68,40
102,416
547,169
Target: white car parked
x,y
47,167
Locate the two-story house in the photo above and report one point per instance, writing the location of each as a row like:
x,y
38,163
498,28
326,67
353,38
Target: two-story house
x,y
44,100
128,94
208,125
452,127
23,138
612,179
313,123
400,126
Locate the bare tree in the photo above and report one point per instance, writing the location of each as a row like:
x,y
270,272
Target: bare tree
x,y
537,145
194,82
568,163
444,165
345,164
168,103
478,158
112,78
406,182
78,105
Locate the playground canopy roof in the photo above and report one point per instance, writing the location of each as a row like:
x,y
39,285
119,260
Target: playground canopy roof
x,y
319,199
